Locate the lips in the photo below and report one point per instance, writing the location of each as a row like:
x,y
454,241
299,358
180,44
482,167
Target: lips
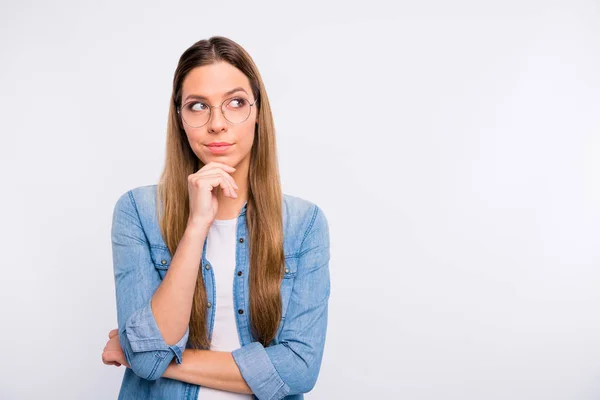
x,y
219,148
218,144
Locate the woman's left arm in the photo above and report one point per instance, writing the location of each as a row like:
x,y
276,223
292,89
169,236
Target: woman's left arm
x,y
214,369
292,366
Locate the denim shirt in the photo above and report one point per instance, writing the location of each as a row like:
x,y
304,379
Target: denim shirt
x,y
285,369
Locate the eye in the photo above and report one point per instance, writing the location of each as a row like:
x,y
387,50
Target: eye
x,y
237,102
196,106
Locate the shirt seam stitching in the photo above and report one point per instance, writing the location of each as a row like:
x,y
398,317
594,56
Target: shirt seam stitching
x,y
138,215
312,222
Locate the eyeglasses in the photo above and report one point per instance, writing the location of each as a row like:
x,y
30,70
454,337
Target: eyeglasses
x,y
196,114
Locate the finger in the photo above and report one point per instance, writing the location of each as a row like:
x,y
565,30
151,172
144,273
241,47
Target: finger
x,y
110,356
200,180
219,178
213,179
217,169
211,171
113,333
207,175
226,186
229,182
211,167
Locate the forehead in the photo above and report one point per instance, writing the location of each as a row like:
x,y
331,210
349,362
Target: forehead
x,y
213,80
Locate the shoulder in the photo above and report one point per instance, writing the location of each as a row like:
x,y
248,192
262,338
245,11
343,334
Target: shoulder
x,y
138,205
300,210
138,198
303,218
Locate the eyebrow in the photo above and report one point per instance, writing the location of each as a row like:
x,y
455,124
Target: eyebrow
x,y
197,96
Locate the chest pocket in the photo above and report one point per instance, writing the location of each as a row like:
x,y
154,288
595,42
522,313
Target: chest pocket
x,y
287,283
161,259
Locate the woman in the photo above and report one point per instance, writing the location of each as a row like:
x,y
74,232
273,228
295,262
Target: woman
x,y
222,281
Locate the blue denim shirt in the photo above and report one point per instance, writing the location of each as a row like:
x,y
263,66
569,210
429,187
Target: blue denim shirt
x,y
285,369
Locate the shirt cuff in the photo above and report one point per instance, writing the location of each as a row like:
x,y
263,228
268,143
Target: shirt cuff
x,y
259,372
143,334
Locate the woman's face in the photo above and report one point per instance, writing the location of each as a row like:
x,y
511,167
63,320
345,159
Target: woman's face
x,y
212,85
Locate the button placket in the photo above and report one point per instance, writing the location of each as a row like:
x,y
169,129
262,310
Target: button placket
x,y
207,267
240,272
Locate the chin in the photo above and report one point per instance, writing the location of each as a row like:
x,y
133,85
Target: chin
x,y
223,158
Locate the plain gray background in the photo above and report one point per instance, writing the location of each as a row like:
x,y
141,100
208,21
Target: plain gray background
x,y
454,147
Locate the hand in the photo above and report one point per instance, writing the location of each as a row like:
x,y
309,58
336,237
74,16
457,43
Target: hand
x,y
203,199
113,353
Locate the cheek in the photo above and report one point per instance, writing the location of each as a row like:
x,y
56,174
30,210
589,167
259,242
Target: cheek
x,y
192,134
247,137
194,138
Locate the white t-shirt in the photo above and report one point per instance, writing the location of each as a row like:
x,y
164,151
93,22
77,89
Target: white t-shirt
x,y
220,251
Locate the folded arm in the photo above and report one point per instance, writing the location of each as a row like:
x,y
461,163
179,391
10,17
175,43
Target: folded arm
x,y
214,369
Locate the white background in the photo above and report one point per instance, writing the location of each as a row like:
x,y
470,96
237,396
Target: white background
x,y
454,147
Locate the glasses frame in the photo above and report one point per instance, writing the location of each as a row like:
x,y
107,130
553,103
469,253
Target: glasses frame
x,y
210,107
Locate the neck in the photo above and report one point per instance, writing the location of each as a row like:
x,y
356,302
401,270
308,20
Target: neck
x,y
230,208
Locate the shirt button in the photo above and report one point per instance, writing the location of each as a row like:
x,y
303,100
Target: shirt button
x,y
241,240
239,273
163,262
207,266
240,311
287,270
209,305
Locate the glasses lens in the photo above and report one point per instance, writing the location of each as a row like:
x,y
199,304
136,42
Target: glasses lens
x,y
236,109
195,114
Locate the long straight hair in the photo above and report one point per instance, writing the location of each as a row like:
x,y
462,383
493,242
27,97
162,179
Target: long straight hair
x,y
264,206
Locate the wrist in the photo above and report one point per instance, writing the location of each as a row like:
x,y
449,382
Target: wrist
x,y
195,228
169,372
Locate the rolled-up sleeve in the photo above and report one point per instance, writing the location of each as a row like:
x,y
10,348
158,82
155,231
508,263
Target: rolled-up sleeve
x,y
136,280
292,366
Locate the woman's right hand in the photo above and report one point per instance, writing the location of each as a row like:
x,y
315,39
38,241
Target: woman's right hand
x,y
203,199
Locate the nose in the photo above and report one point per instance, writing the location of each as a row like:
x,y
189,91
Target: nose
x,y
217,121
